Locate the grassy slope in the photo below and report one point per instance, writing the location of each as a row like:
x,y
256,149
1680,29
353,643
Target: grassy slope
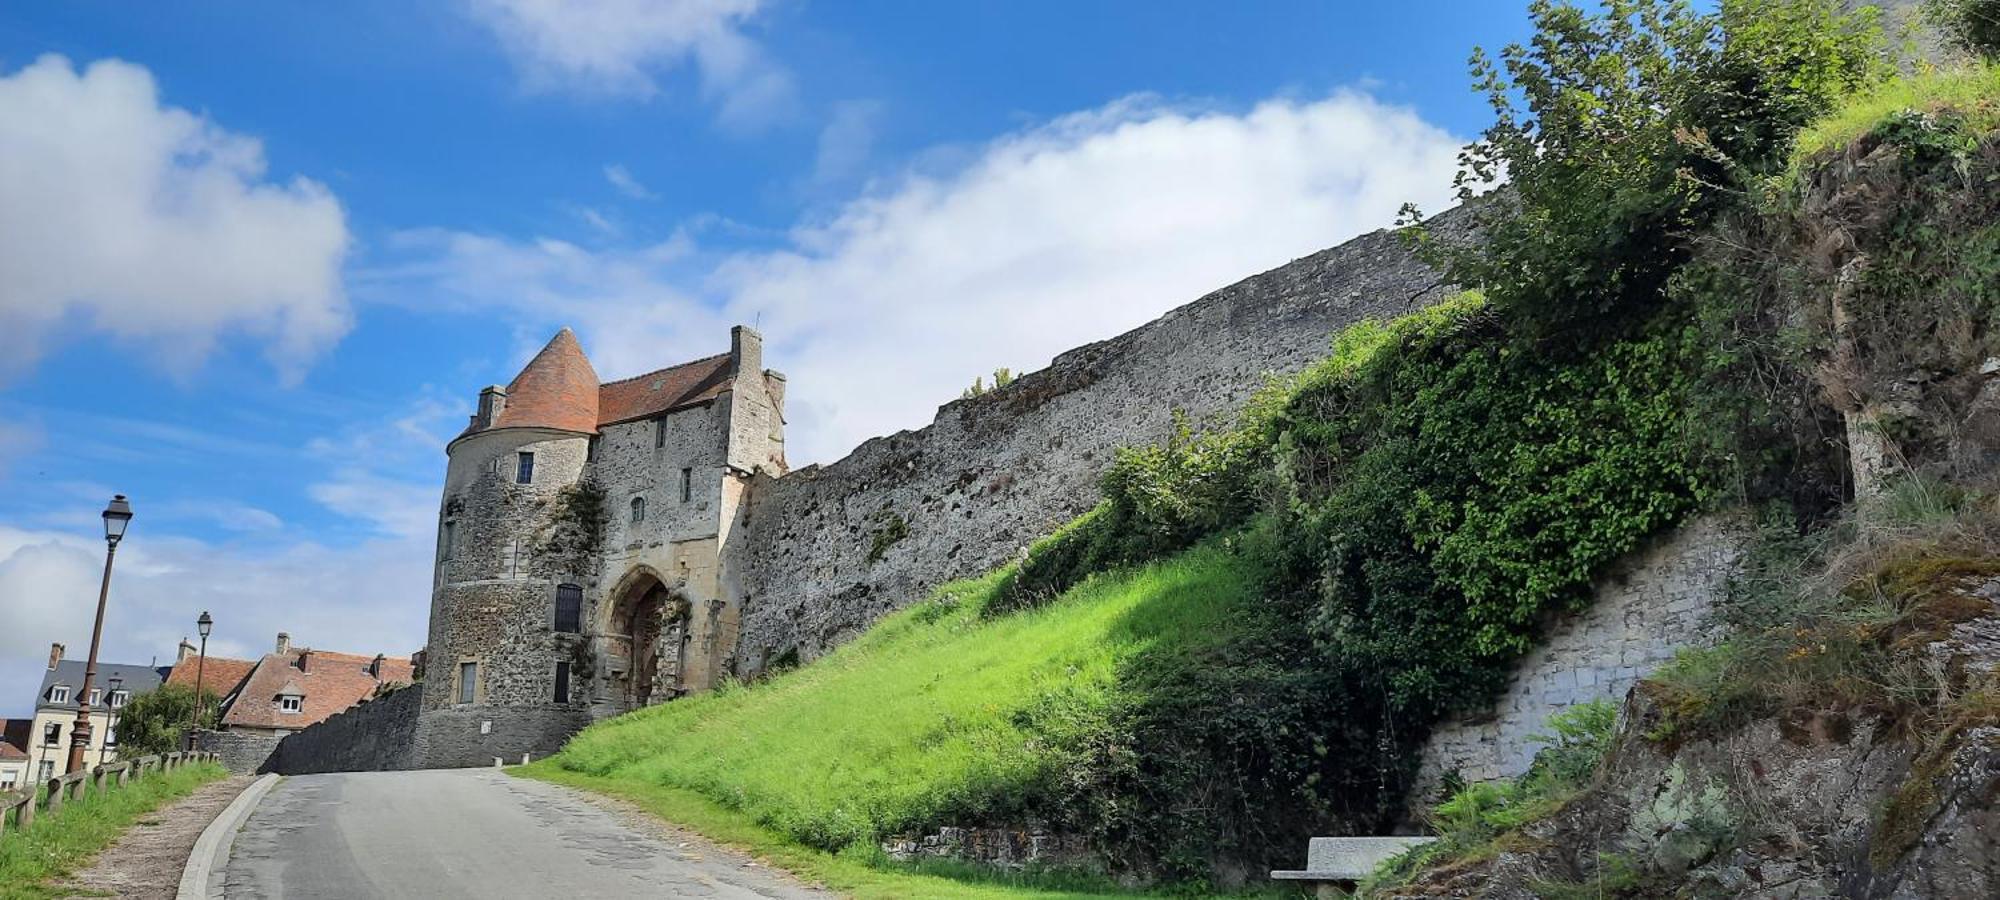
x,y
927,719
59,844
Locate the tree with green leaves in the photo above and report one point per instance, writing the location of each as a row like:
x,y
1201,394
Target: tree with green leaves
x,y
157,721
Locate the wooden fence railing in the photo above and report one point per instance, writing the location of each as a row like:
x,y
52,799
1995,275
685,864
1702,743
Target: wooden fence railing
x,y
20,807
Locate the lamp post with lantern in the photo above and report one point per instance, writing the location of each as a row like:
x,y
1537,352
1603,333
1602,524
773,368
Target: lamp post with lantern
x,y
116,517
202,625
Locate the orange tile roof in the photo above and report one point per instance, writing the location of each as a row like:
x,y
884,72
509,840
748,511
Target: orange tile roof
x,y
557,389
330,683
671,388
220,676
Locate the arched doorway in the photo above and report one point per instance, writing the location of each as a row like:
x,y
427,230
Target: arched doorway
x,y
651,623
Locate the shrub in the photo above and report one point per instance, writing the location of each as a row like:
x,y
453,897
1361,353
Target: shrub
x,y
1972,26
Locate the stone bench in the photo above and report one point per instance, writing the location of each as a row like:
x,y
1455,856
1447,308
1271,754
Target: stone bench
x,y
1346,859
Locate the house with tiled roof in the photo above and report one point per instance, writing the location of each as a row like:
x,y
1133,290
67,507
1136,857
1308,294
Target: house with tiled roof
x,y
288,689
14,760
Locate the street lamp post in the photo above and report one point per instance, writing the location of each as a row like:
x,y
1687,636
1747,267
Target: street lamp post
x,y
116,517
203,625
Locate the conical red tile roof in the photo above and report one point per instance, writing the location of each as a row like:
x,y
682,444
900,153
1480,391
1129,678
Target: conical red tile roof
x,y
557,389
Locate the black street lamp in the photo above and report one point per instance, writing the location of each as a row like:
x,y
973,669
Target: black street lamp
x,y
203,625
116,517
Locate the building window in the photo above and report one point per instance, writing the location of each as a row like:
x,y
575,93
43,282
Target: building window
x,y
291,703
590,450
638,510
687,485
111,734
468,681
569,608
95,693
525,473
59,694
118,698
659,433
446,540
562,682
48,769
52,734
7,780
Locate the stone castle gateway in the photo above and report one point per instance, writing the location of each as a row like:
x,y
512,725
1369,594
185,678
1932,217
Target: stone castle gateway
x,y
581,541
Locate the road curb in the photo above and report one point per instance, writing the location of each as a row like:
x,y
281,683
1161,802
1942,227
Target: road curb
x,y
213,846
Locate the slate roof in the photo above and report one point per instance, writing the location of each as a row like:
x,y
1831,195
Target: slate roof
x,y
220,676
331,682
671,388
136,680
14,738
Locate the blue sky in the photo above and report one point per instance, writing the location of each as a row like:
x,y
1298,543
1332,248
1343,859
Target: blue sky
x,y
256,259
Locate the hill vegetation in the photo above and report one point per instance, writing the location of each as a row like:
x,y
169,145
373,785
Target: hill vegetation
x,y
1247,641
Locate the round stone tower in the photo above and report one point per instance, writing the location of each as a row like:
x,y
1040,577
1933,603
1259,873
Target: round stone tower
x,y
501,668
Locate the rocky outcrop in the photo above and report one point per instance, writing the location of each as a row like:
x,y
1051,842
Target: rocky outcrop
x,y
1880,800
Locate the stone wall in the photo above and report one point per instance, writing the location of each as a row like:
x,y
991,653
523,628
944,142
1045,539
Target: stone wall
x,y
1652,604
991,474
1002,848
241,752
372,736
474,735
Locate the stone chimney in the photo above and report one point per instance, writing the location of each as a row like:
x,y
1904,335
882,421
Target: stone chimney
x,y
746,351
187,650
284,643
55,655
492,402
375,667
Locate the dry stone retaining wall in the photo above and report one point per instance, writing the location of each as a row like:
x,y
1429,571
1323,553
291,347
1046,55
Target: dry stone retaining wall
x,y
374,736
1652,604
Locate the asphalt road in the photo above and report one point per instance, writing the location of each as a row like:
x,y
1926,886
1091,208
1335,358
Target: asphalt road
x,y
472,833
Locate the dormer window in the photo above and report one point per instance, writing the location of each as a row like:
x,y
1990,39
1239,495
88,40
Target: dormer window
x,y
94,694
291,703
118,698
59,694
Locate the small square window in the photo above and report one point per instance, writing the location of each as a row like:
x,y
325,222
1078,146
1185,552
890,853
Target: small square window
x,y
291,703
562,682
59,694
525,472
52,734
468,681
118,699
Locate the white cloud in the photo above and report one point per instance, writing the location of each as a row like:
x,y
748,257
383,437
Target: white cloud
x,y
621,178
618,47
846,141
1045,239
371,598
153,225
396,507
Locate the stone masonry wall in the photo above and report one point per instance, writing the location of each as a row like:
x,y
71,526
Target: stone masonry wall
x,y
473,735
374,736
1654,603
242,752
990,475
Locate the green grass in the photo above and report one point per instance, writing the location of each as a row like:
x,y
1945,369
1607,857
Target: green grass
x,y
57,845
942,714
1972,90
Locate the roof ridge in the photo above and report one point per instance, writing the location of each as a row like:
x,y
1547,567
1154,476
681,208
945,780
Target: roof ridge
x,y
679,365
